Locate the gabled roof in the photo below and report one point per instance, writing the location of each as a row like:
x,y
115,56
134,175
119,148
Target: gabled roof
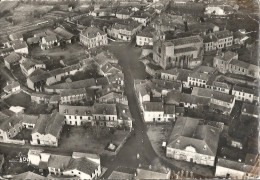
x,y
73,92
244,89
59,161
86,83
239,63
83,165
49,124
92,32
223,97
227,56
185,40
106,109
20,45
12,58
73,110
50,38
153,106
189,132
223,34
29,63
63,33
28,175
145,172
9,87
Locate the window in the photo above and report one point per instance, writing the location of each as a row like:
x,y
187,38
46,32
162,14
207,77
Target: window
x,y
80,117
69,117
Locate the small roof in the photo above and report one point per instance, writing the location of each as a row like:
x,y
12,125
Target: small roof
x,y
63,33
12,58
33,40
223,97
227,56
169,109
123,112
236,165
9,87
145,172
202,92
223,34
50,38
16,109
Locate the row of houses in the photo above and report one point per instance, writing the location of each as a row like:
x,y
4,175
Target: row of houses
x,y
80,165
100,114
228,63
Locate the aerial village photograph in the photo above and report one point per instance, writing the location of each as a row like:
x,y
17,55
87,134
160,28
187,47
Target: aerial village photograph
x,y
129,89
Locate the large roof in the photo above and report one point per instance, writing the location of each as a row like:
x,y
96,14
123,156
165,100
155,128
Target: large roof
x,y
73,92
86,83
83,165
190,132
72,110
49,124
59,161
153,106
63,33
28,175
107,109
92,32
185,40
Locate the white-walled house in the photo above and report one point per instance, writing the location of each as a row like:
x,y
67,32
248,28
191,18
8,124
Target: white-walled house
x,y
243,93
153,111
12,87
142,94
47,130
76,115
199,149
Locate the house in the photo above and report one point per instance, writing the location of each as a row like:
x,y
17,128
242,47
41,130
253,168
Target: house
x,y
180,2
12,87
122,173
113,97
28,66
193,142
142,93
64,34
200,76
240,38
210,42
93,37
81,165
250,110
182,52
6,51
12,60
17,109
47,130
222,61
48,42
227,168
29,121
142,17
125,30
225,39
105,56
86,83
16,36
153,111
203,28
116,77
145,37
74,95
33,40
105,115
28,175
76,115
244,94
218,10
222,102
40,98
124,14
151,172
168,22
9,127
20,47
124,117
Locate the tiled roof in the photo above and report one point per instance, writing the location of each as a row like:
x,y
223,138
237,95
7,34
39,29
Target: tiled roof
x,y
183,50
123,112
12,58
202,92
63,33
59,161
190,132
169,109
72,110
92,32
186,40
244,89
33,40
239,63
107,109
83,165
222,96
86,83
153,106
73,92
50,38
9,87
28,175
209,38
49,124
9,122
28,63
223,34
227,56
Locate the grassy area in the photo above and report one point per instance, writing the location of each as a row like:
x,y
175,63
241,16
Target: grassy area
x,y
20,99
57,53
85,139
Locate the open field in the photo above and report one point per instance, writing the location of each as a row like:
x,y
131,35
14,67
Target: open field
x,y
85,139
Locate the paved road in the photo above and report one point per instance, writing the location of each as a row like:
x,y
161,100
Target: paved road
x,y
138,142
